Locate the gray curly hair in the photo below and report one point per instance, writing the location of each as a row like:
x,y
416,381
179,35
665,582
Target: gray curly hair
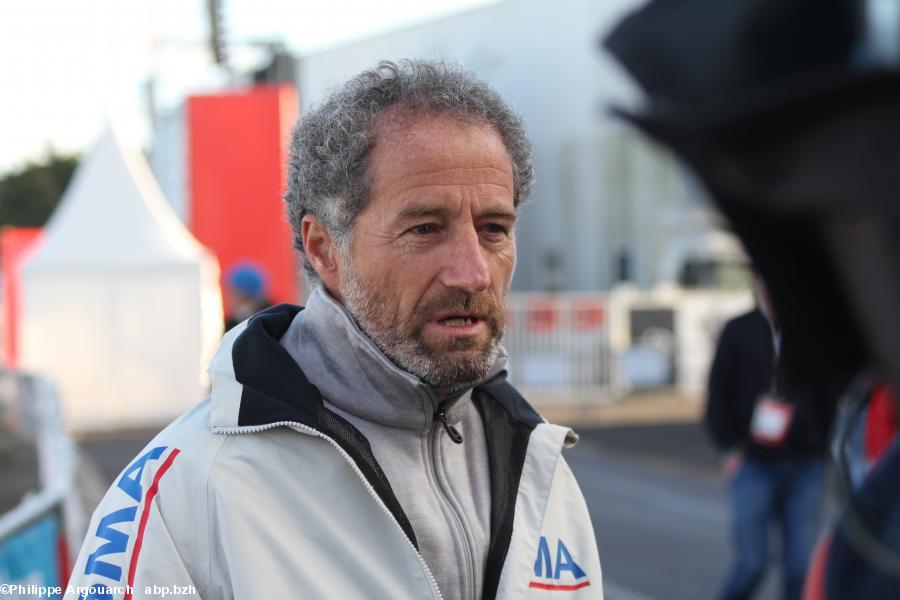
x,y
328,162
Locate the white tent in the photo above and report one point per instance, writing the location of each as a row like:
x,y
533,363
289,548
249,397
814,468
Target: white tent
x,y
121,306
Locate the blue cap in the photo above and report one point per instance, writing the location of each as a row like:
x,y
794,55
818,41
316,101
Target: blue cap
x,y
248,278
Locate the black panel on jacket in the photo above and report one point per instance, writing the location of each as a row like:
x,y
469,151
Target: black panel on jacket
x,y
275,389
508,423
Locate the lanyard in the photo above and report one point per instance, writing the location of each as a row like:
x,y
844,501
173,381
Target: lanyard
x,y
776,350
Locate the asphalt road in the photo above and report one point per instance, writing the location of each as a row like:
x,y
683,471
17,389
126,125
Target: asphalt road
x,y
658,505
657,502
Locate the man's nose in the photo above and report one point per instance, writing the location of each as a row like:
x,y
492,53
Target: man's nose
x,y
465,265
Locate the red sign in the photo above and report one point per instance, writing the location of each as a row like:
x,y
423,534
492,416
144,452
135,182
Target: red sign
x,y
587,314
237,148
15,245
543,315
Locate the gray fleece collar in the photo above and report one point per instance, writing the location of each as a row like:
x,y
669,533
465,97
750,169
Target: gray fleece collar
x,y
356,377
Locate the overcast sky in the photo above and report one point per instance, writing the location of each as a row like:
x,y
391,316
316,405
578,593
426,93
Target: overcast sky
x,y
68,63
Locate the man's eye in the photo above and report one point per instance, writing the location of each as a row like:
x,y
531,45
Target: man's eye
x,y
495,229
425,229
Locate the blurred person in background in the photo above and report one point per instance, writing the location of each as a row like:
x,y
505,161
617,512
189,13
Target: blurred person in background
x,y
247,292
773,449
369,445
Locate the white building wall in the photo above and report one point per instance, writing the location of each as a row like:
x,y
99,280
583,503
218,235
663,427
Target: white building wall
x,y
169,160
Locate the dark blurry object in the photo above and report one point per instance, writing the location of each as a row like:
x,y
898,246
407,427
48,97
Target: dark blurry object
x,y
862,560
789,112
29,195
280,68
217,31
704,62
875,526
623,266
794,132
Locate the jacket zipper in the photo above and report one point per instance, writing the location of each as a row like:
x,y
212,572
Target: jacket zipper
x,y
300,427
452,432
457,438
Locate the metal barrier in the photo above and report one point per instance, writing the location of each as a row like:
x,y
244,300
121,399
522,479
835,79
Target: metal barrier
x,y
34,547
665,337
585,349
559,347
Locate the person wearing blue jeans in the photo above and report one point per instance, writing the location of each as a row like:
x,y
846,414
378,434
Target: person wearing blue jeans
x,y
790,492
773,444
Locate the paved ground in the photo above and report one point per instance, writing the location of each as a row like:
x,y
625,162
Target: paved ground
x,y
658,507
595,407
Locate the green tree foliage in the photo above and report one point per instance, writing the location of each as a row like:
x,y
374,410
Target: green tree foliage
x,y
28,195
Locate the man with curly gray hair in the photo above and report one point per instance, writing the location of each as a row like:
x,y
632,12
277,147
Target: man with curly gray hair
x,y
420,472
403,192
332,198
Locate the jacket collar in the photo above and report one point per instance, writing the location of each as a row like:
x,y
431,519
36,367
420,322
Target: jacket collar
x,y
357,378
256,381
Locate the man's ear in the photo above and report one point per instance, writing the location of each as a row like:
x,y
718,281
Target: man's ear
x,y
321,252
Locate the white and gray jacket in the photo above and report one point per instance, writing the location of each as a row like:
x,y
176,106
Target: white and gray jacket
x,y
269,489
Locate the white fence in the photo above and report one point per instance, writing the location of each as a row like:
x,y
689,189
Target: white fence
x,y
559,347
587,349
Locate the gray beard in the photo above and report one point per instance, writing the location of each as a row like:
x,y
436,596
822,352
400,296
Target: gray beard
x,y
402,342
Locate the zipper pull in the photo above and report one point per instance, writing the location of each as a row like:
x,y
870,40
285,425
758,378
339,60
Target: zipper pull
x,y
452,432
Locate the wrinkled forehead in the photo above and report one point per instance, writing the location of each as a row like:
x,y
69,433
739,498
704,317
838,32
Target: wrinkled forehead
x,y
435,140
416,127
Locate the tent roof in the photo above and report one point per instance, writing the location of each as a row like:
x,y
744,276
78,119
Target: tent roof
x,y
113,214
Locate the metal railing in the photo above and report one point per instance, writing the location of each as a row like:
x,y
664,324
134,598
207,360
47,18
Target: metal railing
x,y
35,534
587,349
559,347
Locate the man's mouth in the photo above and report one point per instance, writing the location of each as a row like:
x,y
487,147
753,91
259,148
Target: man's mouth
x,y
458,321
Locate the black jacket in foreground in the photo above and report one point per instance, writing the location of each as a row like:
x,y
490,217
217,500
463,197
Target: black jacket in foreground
x,y
741,372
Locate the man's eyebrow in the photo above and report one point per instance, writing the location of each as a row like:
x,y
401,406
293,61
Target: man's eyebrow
x,y
417,212
499,213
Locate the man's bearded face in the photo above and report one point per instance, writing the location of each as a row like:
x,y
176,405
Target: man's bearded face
x,y
429,265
